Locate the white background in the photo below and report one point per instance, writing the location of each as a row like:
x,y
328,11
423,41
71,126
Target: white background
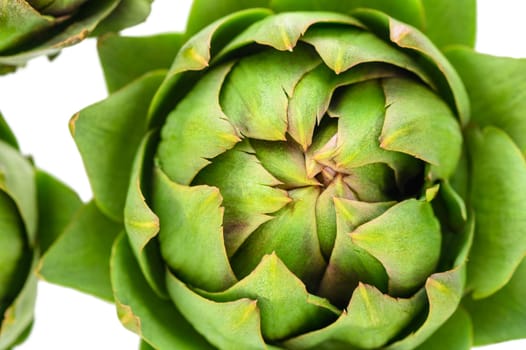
x,y
38,101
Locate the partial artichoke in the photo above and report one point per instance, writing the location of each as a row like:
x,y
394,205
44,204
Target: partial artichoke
x,y
30,28
306,175
34,209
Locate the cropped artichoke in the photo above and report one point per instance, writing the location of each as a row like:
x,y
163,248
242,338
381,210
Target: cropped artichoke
x,y
30,28
306,175
34,208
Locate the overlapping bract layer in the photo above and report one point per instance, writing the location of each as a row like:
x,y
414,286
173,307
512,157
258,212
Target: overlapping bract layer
x,y
30,218
310,162
17,240
30,28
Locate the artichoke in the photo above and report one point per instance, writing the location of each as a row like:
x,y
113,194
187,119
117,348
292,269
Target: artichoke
x,y
30,28
305,175
34,209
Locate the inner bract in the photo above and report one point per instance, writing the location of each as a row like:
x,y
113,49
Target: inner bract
x,y
320,161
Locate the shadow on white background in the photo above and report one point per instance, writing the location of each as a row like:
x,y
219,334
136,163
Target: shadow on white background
x,y
38,101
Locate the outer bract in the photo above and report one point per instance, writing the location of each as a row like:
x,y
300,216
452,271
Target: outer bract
x,y
307,175
34,208
30,28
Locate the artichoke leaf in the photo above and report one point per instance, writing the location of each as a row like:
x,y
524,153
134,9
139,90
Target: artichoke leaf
x,y
282,31
343,49
57,204
502,316
308,103
309,5
79,258
293,226
455,204
196,52
456,243
249,192
360,110
15,250
255,95
465,241
353,213
456,333
419,123
323,146
17,179
326,225
227,325
409,11
499,206
194,55
449,22
57,7
406,239
374,182
444,291
195,131
128,13
349,264
312,95
192,233
6,134
145,346
449,84
119,137
156,52
372,319
285,161
500,98
285,306
39,5
139,308
75,31
18,317
140,222
203,12
17,20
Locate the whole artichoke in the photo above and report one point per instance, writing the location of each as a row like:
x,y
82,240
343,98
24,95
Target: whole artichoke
x,y
34,209
307,175
30,28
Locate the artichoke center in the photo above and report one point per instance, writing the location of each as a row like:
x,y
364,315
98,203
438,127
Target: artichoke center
x,y
326,176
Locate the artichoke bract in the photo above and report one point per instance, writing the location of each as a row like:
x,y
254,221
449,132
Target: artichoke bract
x,y
30,28
305,176
31,217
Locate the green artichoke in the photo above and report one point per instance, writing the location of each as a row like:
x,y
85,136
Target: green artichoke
x,y
30,28
306,175
34,209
